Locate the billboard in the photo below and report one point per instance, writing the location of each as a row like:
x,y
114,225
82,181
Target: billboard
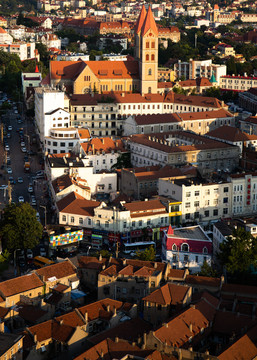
x,y
65,239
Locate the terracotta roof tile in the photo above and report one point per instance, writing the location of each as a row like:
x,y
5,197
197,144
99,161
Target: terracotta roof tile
x,y
240,289
137,206
230,133
71,319
149,23
202,280
58,271
76,204
244,349
20,285
103,144
140,20
177,274
98,308
227,322
169,294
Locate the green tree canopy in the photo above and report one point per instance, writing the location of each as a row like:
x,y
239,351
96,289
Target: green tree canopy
x,y
123,161
147,255
19,227
239,252
207,270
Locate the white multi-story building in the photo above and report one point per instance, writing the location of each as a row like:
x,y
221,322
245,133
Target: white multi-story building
x,y
202,202
17,32
237,83
50,41
187,248
244,200
23,50
199,68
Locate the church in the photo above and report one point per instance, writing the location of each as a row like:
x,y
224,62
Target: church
x,y
139,75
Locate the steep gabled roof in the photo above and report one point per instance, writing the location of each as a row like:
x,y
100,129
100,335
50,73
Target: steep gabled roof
x,y
169,294
140,20
149,23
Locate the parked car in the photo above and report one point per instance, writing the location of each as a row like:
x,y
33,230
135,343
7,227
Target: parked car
x,y
42,250
10,128
23,149
9,170
20,180
29,254
12,181
30,189
21,199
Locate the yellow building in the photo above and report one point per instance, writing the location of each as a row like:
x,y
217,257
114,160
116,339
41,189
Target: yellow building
x,y
139,75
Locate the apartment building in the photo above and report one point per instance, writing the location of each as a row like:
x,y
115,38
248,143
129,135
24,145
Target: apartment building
x,y
24,51
142,182
11,346
244,199
223,50
199,68
237,83
249,125
188,247
201,201
180,148
199,122
115,223
5,38
248,100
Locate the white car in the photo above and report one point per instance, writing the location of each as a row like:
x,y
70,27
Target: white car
x,y
10,128
29,254
21,199
23,149
2,187
7,148
23,144
9,170
33,202
30,189
20,180
42,251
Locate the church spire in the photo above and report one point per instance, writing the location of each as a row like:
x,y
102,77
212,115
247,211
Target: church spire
x,y
140,20
149,23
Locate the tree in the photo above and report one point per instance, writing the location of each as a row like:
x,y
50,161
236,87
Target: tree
x,y
239,252
207,270
19,227
123,161
146,255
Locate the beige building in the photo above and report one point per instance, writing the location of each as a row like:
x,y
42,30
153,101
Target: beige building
x,y
29,286
237,83
11,346
180,148
161,304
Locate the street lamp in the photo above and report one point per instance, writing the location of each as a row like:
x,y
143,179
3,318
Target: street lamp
x,y
44,207
89,247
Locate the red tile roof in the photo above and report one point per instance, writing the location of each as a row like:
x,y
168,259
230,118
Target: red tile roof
x,y
76,204
20,284
103,144
99,309
149,23
58,271
202,280
169,294
230,133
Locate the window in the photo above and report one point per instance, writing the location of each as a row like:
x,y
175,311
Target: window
x,y
215,212
149,90
187,205
197,193
140,223
62,144
149,71
89,221
205,250
188,194
196,203
225,200
72,219
225,189
124,291
147,57
174,247
153,44
81,221
152,57
184,247
64,218
225,211
207,213
147,45
196,259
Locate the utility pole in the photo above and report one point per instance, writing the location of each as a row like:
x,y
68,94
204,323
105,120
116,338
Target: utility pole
x,y
9,192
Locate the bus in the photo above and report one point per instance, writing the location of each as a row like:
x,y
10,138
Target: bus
x,y
40,261
137,246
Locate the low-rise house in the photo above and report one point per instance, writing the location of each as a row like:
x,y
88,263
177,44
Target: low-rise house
x,y
164,302
248,100
131,280
221,231
11,346
61,273
198,85
249,125
202,283
192,325
29,286
187,247
177,276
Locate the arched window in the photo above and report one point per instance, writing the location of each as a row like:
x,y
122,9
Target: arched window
x,y
184,247
153,44
147,45
149,90
152,57
149,71
205,250
174,247
147,57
